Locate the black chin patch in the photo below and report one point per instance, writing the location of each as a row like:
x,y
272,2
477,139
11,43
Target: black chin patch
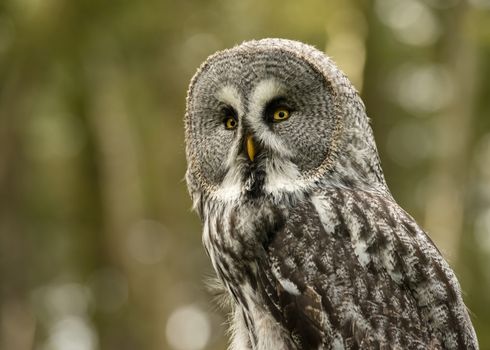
x,y
254,179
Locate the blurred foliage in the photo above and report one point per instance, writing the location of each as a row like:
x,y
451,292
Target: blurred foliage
x,y
98,246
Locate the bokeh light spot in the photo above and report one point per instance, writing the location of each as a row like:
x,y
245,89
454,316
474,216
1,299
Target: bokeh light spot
x,y
188,328
412,21
72,333
422,89
57,301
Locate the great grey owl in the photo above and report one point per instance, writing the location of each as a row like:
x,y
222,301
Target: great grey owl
x,y
298,221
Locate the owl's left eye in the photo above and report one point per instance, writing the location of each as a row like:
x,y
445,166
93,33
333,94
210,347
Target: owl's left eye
x,y
231,123
280,114
277,110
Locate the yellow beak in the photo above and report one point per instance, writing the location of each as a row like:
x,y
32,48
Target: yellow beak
x,y
250,148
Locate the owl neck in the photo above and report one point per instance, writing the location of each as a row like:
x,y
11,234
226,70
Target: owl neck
x,y
361,173
356,161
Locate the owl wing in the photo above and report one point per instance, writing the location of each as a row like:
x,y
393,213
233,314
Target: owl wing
x,y
351,269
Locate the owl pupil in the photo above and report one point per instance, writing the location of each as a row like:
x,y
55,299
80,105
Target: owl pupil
x,y
281,114
230,123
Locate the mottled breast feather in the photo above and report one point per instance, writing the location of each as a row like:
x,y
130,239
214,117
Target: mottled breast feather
x,y
340,269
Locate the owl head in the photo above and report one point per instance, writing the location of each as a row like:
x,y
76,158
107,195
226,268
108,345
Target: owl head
x,y
275,116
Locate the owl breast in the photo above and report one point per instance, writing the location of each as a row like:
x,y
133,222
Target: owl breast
x,y
236,238
322,271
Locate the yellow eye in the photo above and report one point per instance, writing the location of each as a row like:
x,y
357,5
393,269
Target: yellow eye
x,y
280,114
231,123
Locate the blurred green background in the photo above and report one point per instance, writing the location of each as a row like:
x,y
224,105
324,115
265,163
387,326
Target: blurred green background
x,y
98,246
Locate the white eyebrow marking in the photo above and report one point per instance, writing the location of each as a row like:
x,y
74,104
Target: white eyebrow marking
x,y
229,94
265,91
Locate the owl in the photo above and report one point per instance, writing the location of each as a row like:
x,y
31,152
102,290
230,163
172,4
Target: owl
x,y
298,222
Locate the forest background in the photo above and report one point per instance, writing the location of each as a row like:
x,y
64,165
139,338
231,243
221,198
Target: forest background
x,y
98,246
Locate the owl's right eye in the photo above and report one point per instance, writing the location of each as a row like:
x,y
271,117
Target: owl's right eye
x,y
230,123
